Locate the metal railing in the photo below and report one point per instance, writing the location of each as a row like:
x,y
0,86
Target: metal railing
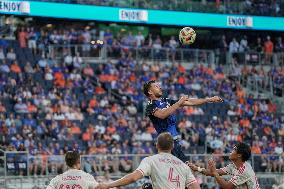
x,y
225,6
29,171
137,53
22,164
254,58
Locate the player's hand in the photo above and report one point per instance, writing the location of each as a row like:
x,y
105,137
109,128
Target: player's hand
x,y
102,186
192,166
182,99
212,166
215,99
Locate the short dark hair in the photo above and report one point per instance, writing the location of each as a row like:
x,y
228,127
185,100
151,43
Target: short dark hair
x,y
147,86
165,141
72,158
244,150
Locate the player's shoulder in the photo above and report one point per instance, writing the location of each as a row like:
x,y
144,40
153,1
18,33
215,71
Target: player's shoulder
x,y
246,169
57,178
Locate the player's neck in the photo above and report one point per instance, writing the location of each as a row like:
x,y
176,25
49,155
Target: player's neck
x,y
74,167
154,98
164,151
238,163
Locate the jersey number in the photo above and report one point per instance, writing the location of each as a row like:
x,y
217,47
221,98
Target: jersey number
x,y
172,178
68,186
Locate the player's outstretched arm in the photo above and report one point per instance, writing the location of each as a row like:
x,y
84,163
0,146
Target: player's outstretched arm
x,y
204,171
164,113
127,179
199,101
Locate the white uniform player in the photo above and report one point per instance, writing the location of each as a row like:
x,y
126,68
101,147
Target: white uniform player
x,y
243,178
73,179
166,171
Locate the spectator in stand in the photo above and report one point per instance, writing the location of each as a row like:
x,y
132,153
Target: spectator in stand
x,y
279,49
243,45
23,36
140,39
268,50
173,45
15,68
234,46
4,68
77,61
223,50
42,62
2,54
11,55
31,36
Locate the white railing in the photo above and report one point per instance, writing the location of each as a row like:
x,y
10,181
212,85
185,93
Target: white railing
x,y
29,171
23,164
138,53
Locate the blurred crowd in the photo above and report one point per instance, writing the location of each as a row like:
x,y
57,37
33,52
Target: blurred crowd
x,y
247,7
49,106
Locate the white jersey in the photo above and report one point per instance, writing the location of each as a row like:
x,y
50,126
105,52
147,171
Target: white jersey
x,y
73,179
166,171
242,178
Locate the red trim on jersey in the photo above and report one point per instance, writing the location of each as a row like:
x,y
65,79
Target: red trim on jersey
x,y
190,183
242,169
140,170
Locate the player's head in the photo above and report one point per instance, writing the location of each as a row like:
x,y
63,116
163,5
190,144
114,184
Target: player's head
x,y
241,152
72,159
152,89
165,142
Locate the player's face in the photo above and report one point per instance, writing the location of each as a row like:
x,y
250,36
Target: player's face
x,y
156,90
234,155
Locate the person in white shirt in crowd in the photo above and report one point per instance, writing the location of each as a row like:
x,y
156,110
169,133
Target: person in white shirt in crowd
x,y
11,55
73,177
87,40
166,171
77,61
68,61
173,45
243,176
42,62
234,46
139,39
243,44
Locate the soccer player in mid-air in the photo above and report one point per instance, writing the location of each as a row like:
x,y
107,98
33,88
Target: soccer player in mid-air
x,y
73,178
165,170
161,112
243,176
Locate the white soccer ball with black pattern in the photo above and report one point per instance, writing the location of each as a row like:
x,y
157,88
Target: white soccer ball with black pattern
x,y
187,36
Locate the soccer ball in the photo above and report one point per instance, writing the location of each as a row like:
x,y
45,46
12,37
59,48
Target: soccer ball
x,y
187,36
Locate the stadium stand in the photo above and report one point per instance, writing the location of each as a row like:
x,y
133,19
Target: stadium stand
x,y
51,104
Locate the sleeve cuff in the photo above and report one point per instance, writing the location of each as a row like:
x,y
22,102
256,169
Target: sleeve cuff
x,y
190,183
142,172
